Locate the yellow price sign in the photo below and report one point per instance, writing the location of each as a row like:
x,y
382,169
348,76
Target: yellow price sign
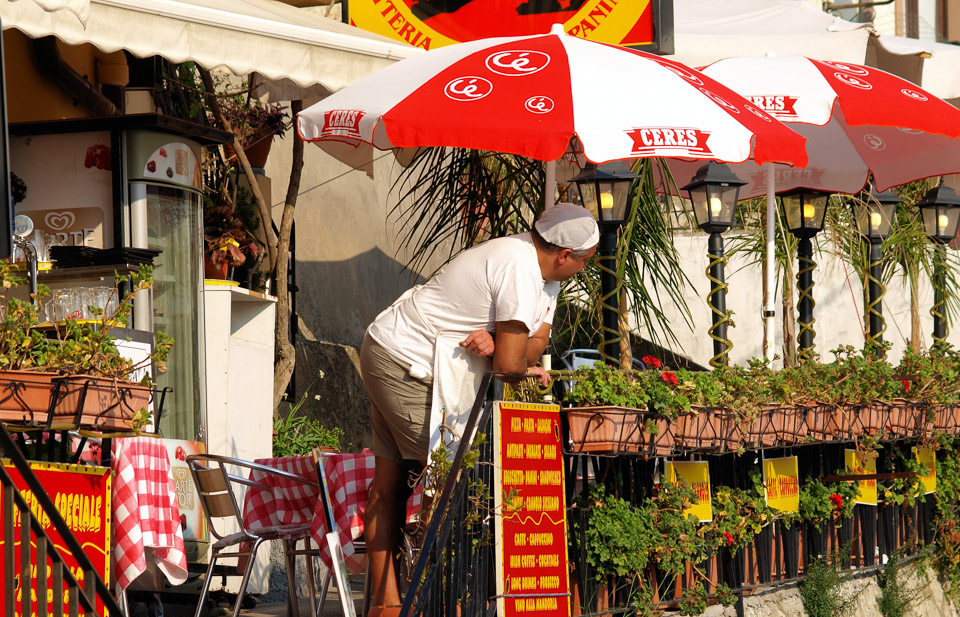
x,y
927,458
696,475
781,483
868,488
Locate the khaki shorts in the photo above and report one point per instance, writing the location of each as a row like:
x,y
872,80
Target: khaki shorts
x,y
399,405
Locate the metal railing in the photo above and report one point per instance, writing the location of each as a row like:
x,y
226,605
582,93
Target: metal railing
x,y
453,573
20,584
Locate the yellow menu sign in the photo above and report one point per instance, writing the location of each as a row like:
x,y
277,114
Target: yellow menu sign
x,y
781,483
868,488
696,474
927,458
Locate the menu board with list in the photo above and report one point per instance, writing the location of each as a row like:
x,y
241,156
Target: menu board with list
x,y
532,573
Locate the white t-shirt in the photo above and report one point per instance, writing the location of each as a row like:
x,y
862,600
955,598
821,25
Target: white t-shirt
x,y
498,280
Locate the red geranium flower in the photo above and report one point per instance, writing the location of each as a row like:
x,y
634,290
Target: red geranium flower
x,y
837,501
669,378
729,537
651,361
906,385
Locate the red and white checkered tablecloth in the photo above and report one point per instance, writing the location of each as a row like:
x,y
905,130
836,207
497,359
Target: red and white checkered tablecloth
x,y
288,502
348,480
145,511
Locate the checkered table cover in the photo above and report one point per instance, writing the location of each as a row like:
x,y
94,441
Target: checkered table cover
x,y
287,502
348,479
145,511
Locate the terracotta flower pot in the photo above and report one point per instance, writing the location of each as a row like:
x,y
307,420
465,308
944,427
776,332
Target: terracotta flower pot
x,y
100,403
695,429
26,396
823,421
874,417
212,271
903,419
604,429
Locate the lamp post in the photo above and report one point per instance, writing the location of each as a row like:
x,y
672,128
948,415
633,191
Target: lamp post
x,y
607,196
873,213
805,210
714,192
940,211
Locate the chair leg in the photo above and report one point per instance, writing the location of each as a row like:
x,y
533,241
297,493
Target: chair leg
x,y
311,582
206,584
291,559
323,592
252,559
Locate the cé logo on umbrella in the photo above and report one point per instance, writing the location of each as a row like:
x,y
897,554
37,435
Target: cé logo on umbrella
x,y
539,104
517,62
468,88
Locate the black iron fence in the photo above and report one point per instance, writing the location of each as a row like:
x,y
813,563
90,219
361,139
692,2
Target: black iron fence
x,y
26,584
454,576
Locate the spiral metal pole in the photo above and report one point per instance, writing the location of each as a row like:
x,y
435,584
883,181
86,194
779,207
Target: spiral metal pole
x,y
609,298
805,303
717,301
938,311
876,291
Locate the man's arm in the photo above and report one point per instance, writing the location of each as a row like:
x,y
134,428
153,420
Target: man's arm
x,y
510,347
537,344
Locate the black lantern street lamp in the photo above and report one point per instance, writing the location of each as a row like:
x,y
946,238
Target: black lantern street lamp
x,y
940,211
607,196
874,213
805,210
714,192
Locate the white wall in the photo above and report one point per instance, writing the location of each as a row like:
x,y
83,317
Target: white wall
x,y
838,312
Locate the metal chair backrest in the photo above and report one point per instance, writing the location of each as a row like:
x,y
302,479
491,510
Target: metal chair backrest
x,y
217,488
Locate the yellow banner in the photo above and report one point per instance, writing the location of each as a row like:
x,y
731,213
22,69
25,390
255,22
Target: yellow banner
x,y
781,483
868,488
430,23
927,458
696,475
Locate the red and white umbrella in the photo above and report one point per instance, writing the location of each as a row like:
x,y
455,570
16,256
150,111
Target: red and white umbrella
x,y
530,95
857,120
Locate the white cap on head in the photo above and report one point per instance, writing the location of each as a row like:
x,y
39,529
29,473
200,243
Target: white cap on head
x,y
568,226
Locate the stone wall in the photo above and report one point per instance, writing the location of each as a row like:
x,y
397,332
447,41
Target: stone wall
x,y
786,602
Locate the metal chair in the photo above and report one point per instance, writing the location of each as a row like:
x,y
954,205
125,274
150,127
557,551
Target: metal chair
x,y
218,490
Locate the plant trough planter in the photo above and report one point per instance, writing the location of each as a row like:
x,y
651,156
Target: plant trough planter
x,y
26,396
610,430
100,403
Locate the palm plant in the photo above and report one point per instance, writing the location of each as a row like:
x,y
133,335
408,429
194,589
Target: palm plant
x,y
450,199
907,250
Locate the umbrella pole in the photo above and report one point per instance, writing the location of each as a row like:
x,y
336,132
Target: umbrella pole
x,y
550,183
769,309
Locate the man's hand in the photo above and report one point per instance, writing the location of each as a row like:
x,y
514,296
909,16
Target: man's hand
x,y
543,378
478,342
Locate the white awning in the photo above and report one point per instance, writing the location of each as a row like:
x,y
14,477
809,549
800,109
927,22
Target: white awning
x,y
928,64
273,39
707,30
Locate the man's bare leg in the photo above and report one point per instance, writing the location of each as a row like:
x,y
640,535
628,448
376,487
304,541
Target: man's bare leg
x,y
382,526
